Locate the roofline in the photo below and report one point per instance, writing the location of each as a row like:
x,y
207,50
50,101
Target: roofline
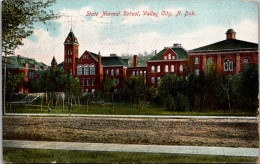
x,y
165,60
223,50
212,53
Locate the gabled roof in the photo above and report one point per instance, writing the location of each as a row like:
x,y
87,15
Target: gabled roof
x,y
16,62
229,44
113,60
179,51
61,65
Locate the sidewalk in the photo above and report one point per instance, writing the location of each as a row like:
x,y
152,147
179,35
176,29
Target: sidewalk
x,y
134,116
192,150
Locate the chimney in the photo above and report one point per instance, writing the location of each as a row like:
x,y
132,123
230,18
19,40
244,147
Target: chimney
x,y
176,45
135,60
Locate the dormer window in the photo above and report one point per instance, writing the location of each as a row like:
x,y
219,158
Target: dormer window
x,y
169,56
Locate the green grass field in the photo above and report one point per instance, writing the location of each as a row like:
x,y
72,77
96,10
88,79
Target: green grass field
x,y
120,109
62,156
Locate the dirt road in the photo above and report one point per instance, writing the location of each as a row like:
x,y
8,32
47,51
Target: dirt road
x,y
189,132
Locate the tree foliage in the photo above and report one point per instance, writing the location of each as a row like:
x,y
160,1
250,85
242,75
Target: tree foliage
x,y
18,18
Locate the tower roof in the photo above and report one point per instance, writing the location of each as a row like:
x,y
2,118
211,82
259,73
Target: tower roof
x,y
53,62
71,38
229,31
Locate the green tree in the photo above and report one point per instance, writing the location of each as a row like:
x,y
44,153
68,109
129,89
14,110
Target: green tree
x,y
72,89
109,85
250,88
18,18
13,82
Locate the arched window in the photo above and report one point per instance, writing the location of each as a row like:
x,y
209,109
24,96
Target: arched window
x,y
86,70
107,72
112,72
228,65
245,63
92,70
79,68
172,68
181,68
153,69
158,68
166,68
117,72
169,56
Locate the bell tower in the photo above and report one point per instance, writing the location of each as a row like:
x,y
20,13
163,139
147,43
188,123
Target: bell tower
x,y
71,54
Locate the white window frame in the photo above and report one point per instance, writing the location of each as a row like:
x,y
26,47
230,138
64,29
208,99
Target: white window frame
x,y
181,68
79,70
172,68
166,68
153,69
158,68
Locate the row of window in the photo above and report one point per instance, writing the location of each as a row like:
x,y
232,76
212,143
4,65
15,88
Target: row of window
x,y
68,60
88,90
137,73
69,52
169,57
112,72
166,68
87,70
90,82
228,64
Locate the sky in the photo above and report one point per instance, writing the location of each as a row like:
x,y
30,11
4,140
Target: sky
x,y
207,22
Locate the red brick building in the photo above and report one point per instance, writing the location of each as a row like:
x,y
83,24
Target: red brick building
x,y
170,60
229,56
28,66
92,69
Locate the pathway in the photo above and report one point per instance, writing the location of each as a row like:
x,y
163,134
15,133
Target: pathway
x,y
133,148
135,116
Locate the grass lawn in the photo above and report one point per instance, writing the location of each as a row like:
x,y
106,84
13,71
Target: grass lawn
x,y
120,109
62,156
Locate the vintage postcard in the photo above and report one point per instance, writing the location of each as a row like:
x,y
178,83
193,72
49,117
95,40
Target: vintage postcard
x,y
151,81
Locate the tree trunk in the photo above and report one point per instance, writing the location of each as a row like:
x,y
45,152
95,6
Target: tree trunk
x,y
229,105
113,103
56,102
46,96
78,100
87,104
62,104
41,103
4,85
131,105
